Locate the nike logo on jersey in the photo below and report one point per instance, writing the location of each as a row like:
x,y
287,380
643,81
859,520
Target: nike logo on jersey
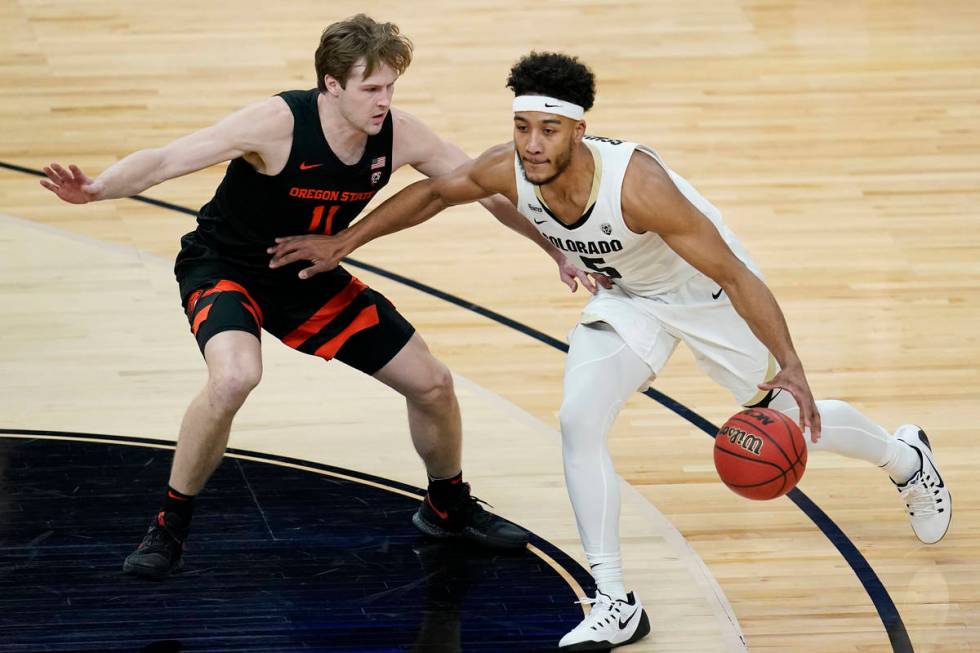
x,y
624,622
309,166
541,222
716,295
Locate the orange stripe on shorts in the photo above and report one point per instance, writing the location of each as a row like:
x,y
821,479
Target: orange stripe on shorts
x,y
200,317
192,301
364,320
230,286
248,307
326,314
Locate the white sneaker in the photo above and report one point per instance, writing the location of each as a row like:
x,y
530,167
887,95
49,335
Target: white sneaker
x,y
611,623
927,500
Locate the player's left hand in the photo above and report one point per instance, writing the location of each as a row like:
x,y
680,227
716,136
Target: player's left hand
x,y
323,252
793,380
571,276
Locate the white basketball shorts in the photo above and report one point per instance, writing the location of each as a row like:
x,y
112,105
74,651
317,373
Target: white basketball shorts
x,y
698,314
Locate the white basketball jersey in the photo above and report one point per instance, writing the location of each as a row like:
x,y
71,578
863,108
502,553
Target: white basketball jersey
x,y
642,264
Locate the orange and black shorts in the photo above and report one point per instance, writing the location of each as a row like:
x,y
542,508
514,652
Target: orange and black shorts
x,y
331,315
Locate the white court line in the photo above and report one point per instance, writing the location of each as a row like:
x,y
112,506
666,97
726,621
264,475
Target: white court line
x,y
711,591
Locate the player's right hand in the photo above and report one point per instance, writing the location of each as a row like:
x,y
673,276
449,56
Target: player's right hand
x,y
793,380
71,185
323,252
571,276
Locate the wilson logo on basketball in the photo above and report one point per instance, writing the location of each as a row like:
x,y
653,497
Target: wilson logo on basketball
x,y
749,442
778,454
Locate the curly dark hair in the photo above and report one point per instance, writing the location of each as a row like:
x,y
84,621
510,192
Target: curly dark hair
x,y
555,75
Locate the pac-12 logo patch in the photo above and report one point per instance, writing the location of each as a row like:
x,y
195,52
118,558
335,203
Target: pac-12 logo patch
x,y
375,178
606,228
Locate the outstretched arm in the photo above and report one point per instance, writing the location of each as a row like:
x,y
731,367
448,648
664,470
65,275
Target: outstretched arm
x,y
245,131
433,156
570,275
651,202
412,205
491,182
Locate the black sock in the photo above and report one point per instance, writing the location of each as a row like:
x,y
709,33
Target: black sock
x,y
179,504
444,492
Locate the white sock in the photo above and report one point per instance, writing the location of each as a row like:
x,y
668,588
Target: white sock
x,y
903,463
847,432
607,570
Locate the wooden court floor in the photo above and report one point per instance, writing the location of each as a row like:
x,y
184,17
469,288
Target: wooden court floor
x,y
841,140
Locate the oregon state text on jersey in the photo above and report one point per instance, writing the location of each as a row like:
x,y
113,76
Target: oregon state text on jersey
x,y
600,241
315,193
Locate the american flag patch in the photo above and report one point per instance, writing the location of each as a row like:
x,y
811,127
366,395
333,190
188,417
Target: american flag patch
x,y
378,162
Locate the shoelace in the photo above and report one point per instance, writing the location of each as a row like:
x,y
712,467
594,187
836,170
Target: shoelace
x,y
471,506
604,610
919,496
470,502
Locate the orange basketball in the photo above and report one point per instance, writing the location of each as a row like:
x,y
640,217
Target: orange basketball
x,y
760,453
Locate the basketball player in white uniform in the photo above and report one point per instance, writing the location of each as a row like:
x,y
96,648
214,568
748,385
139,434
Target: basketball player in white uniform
x,y
678,275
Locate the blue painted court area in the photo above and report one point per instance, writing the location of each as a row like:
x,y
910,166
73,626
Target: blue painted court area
x,y
279,559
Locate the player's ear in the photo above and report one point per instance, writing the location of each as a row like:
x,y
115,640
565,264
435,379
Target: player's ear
x,y
579,131
333,86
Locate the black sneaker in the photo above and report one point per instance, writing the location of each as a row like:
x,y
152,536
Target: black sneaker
x,y
466,519
160,553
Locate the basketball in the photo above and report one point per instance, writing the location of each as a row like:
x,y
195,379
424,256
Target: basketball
x,y
760,453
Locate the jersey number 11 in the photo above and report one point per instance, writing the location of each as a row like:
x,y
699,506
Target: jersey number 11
x,y
318,219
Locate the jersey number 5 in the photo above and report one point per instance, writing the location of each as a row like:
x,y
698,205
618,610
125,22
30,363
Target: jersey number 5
x,y
317,220
596,264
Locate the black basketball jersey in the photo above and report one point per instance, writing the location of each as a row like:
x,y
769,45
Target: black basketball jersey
x,y
315,193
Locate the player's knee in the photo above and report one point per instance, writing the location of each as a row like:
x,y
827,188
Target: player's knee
x,y
230,385
575,421
437,389
566,417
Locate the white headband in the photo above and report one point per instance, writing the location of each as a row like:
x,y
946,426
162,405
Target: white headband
x,y
546,104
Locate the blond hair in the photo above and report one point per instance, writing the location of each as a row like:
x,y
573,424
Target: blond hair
x,y
345,43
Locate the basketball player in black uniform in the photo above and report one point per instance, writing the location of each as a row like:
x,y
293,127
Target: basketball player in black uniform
x,y
303,162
